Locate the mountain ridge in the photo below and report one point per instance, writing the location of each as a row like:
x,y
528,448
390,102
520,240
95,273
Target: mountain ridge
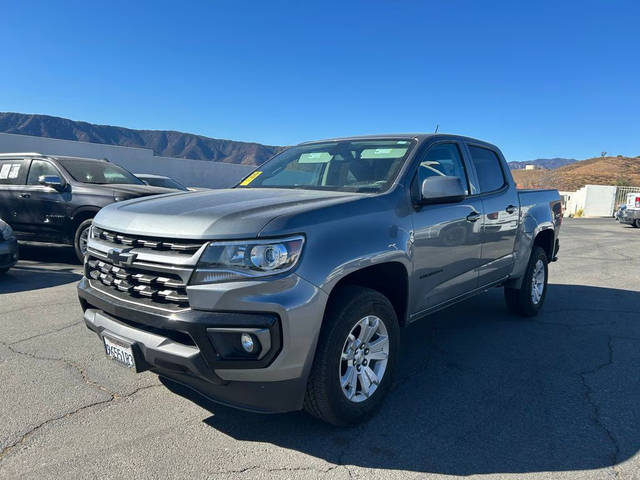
x,y
548,163
617,170
169,143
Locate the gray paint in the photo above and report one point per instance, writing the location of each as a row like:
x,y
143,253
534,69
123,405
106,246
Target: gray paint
x,y
346,232
192,173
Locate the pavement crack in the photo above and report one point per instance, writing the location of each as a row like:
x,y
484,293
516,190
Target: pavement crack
x,y
25,436
589,397
45,333
252,468
69,363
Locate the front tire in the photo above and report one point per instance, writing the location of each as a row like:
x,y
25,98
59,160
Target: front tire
x,y
636,223
80,239
529,298
355,358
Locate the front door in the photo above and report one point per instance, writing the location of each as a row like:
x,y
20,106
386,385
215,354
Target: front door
x,y
447,237
43,210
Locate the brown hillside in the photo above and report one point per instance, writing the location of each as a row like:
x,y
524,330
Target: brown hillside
x,y
596,171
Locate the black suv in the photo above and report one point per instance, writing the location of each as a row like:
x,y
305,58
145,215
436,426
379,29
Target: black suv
x,y
54,198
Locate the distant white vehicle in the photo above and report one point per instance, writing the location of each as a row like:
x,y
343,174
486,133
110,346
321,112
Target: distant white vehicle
x,y
160,181
631,215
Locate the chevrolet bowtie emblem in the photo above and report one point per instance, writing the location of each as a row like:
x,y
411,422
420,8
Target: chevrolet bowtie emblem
x,y
121,257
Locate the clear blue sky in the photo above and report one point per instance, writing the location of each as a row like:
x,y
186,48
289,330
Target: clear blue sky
x,y
540,79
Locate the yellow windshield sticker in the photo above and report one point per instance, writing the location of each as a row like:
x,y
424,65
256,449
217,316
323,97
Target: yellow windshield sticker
x,y
250,178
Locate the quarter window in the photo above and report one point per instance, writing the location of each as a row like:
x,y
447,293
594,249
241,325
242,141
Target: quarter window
x,y
13,172
488,168
40,168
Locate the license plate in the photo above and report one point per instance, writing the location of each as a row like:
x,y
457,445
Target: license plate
x,y
119,352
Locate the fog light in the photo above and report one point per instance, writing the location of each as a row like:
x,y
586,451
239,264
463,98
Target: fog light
x,y
247,342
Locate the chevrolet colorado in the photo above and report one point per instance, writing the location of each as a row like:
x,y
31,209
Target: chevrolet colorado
x,y
289,290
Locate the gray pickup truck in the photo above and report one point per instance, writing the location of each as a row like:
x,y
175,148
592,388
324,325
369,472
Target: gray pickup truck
x,y
289,291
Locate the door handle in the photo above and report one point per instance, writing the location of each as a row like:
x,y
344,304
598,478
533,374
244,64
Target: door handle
x,y
473,217
511,209
25,195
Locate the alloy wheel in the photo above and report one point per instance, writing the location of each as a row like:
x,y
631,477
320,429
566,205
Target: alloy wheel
x,y
364,359
537,282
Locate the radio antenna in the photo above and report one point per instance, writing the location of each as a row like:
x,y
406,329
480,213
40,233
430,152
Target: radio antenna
x,y
437,127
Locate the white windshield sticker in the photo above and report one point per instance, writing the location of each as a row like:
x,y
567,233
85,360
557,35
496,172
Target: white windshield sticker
x,y
15,170
315,157
4,171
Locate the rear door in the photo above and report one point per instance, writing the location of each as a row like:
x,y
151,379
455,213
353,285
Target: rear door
x,y
501,206
447,243
13,174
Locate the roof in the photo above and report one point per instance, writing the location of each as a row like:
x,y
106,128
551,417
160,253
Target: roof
x,y
401,136
42,155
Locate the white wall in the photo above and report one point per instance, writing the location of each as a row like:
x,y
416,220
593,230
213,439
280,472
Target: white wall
x,y
600,200
193,173
593,200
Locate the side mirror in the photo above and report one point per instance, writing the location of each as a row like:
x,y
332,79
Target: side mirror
x,y
52,181
442,189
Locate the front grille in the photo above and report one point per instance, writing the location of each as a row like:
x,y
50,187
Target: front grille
x,y
181,246
145,286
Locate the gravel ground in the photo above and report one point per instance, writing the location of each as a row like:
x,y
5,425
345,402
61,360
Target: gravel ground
x,y
479,392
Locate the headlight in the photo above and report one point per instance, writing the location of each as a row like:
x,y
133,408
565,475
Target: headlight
x,y
6,232
246,259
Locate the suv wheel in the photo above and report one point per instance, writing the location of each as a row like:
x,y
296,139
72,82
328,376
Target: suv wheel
x,y
355,358
529,298
81,238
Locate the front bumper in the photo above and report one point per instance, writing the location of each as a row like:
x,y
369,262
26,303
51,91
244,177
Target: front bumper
x,y
8,253
180,345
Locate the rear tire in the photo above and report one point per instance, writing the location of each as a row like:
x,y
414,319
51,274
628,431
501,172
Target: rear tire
x,y
636,223
80,239
355,358
529,298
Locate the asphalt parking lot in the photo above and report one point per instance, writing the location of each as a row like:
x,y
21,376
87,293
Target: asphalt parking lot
x,y
479,392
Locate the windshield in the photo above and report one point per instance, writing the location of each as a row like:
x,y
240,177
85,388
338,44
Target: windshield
x,y
352,166
101,173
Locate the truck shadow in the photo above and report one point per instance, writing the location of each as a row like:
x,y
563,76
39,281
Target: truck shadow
x,y
481,391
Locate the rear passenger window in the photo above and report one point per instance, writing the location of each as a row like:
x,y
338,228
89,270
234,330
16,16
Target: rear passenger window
x,y
487,163
13,172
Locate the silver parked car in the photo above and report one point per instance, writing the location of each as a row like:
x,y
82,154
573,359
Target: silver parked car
x,y
8,247
160,181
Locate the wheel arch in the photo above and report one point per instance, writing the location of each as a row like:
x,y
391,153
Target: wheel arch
x,y
391,279
546,240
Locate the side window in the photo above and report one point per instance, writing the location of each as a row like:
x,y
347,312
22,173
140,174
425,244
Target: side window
x,y
13,172
488,168
445,160
40,168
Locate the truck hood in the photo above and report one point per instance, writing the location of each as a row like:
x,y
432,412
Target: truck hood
x,y
215,214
